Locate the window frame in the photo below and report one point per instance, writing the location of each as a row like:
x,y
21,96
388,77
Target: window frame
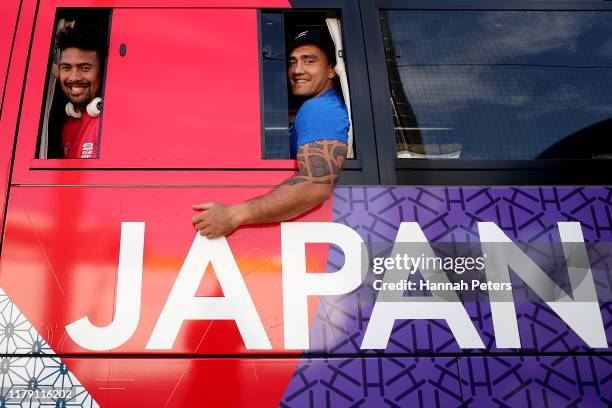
x,y
104,63
465,172
29,170
363,169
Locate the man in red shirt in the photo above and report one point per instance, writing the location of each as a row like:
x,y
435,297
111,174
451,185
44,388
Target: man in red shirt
x,y
80,78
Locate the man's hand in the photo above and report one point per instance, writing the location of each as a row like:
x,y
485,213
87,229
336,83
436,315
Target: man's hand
x,y
320,166
216,219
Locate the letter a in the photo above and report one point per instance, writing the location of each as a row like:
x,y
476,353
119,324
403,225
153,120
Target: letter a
x,y
182,304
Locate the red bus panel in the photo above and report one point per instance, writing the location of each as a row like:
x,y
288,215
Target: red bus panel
x,y
62,248
8,19
186,90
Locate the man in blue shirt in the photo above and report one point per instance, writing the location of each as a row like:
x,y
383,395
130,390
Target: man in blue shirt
x,y
323,115
319,136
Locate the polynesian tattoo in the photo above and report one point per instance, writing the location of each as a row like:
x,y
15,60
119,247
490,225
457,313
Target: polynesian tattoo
x,y
320,162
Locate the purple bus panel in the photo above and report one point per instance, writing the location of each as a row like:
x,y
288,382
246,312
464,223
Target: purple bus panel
x,y
553,366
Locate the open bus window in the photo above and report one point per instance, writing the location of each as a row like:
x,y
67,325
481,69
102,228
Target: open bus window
x,y
500,85
70,125
279,104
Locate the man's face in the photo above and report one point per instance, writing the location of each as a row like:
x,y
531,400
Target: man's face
x,y
310,72
79,74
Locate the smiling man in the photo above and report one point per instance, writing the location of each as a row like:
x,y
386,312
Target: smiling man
x,y
318,139
80,78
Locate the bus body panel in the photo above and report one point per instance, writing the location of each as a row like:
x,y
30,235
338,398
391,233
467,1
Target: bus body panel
x,y
67,240
12,89
204,87
63,234
8,19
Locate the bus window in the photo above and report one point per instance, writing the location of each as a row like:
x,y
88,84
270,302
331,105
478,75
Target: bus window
x,y
73,99
279,104
500,85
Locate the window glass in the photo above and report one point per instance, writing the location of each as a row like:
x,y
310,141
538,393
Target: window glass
x,y
500,84
276,116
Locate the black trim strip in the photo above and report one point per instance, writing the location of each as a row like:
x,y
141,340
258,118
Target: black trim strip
x,y
567,177
319,4
350,165
501,165
545,5
326,356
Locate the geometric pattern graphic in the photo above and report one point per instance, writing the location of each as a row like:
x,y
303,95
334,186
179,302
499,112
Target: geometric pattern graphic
x,y
27,363
492,381
528,216
543,381
376,382
17,336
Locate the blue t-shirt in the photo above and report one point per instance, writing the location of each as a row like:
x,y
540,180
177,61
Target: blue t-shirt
x,y
323,117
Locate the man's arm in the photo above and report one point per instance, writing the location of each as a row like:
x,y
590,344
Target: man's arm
x,y
319,168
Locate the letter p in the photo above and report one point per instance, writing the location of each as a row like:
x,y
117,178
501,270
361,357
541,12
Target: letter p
x,y
298,284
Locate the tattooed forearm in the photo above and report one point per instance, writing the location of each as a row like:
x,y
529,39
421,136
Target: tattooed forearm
x,y
320,162
319,168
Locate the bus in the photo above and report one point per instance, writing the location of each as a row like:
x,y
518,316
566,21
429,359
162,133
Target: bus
x,y
463,260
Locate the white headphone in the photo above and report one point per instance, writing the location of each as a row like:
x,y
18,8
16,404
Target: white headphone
x,y
94,108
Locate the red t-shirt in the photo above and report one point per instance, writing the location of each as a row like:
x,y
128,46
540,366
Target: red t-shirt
x,y
80,137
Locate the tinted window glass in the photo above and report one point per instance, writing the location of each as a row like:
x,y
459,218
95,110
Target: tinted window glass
x,y
500,84
276,124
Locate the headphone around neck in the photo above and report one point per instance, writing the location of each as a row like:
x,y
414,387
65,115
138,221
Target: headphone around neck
x,y
94,108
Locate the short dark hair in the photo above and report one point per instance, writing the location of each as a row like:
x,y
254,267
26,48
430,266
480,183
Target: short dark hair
x,y
84,37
